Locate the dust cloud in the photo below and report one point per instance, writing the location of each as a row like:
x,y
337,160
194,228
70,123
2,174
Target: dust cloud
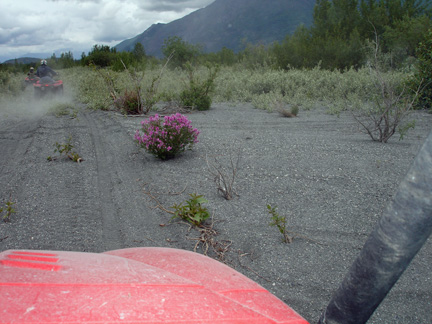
x,y
28,106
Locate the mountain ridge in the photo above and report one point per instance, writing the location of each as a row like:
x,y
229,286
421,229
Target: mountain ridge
x,y
227,23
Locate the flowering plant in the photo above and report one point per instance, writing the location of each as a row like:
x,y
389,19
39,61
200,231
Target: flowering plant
x,y
167,137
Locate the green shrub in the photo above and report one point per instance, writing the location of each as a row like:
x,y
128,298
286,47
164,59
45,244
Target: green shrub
x,y
130,103
197,93
263,87
195,98
385,110
88,87
11,84
423,75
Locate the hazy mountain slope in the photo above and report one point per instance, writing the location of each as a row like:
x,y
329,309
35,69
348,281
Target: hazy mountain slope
x,y
23,60
227,23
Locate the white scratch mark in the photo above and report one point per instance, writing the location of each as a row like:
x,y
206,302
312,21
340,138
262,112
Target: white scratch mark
x,y
28,310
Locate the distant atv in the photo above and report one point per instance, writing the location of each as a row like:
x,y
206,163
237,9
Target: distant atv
x,y
46,86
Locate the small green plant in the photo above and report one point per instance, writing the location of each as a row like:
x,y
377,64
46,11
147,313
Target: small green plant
x,y
66,149
9,210
192,210
279,222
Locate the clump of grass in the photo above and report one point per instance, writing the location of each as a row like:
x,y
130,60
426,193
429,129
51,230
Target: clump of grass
x,y
63,109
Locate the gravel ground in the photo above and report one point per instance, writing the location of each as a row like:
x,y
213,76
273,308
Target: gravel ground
x,y
329,180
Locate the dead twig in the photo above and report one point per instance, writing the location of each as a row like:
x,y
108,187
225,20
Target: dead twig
x,y
249,268
172,193
207,240
297,235
224,178
158,204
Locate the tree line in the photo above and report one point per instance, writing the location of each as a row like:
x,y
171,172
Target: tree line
x,y
337,39
342,28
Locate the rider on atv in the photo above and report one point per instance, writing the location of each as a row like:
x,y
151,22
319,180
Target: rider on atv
x,y
31,77
31,73
46,83
45,72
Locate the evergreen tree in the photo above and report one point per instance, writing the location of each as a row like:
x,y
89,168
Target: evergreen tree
x,y
423,75
138,52
344,17
321,17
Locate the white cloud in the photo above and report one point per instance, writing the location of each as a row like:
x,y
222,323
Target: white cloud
x,y
27,26
175,5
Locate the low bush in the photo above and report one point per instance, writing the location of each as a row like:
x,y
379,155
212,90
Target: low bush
x,y
165,138
197,93
11,84
130,103
262,87
384,112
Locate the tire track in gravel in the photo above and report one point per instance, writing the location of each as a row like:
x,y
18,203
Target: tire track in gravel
x,y
127,221
106,169
94,206
52,199
16,139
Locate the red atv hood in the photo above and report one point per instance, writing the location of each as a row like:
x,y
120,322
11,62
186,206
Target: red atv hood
x,y
138,285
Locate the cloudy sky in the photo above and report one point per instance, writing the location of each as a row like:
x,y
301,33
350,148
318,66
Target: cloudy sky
x,y
48,26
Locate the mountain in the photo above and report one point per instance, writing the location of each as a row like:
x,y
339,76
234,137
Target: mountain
x,y
228,23
23,60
